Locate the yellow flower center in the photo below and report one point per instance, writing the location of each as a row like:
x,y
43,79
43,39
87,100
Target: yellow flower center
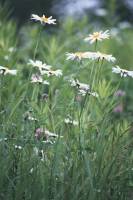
x,y
96,35
79,54
45,19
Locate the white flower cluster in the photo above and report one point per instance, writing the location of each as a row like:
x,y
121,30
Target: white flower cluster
x,y
44,69
90,55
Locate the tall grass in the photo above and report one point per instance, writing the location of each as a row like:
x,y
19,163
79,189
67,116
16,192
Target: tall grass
x,y
92,160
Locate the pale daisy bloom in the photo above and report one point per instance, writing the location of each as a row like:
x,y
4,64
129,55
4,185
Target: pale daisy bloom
x,y
71,122
38,79
43,19
39,65
122,72
83,93
101,56
4,71
49,73
77,55
81,86
97,36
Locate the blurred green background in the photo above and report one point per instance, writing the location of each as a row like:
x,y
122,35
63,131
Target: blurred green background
x,y
21,10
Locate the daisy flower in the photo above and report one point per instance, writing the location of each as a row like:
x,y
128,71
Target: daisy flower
x,y
43,19
49,73
39,64
97,36
83,88
77,56
4,71
101,56
38,79
80,86
122,72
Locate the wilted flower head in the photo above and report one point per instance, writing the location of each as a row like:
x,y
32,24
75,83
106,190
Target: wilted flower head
x,y
43,19
38,79
97,36
4,71
122,72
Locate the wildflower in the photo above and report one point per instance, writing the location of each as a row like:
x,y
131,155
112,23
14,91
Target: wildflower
x,y
81,86
118,108
4,71
41,66
97,36
101,56
77,56
71,121
45,134
38,79
38,133
57,72
122,72
119,93
43,19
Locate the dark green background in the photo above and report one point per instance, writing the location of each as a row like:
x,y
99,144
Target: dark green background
x,y
22,9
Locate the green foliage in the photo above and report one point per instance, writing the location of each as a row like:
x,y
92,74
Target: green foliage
x,y
92,160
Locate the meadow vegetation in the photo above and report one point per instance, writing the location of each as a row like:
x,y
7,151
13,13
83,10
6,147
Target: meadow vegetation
x,y
66,127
